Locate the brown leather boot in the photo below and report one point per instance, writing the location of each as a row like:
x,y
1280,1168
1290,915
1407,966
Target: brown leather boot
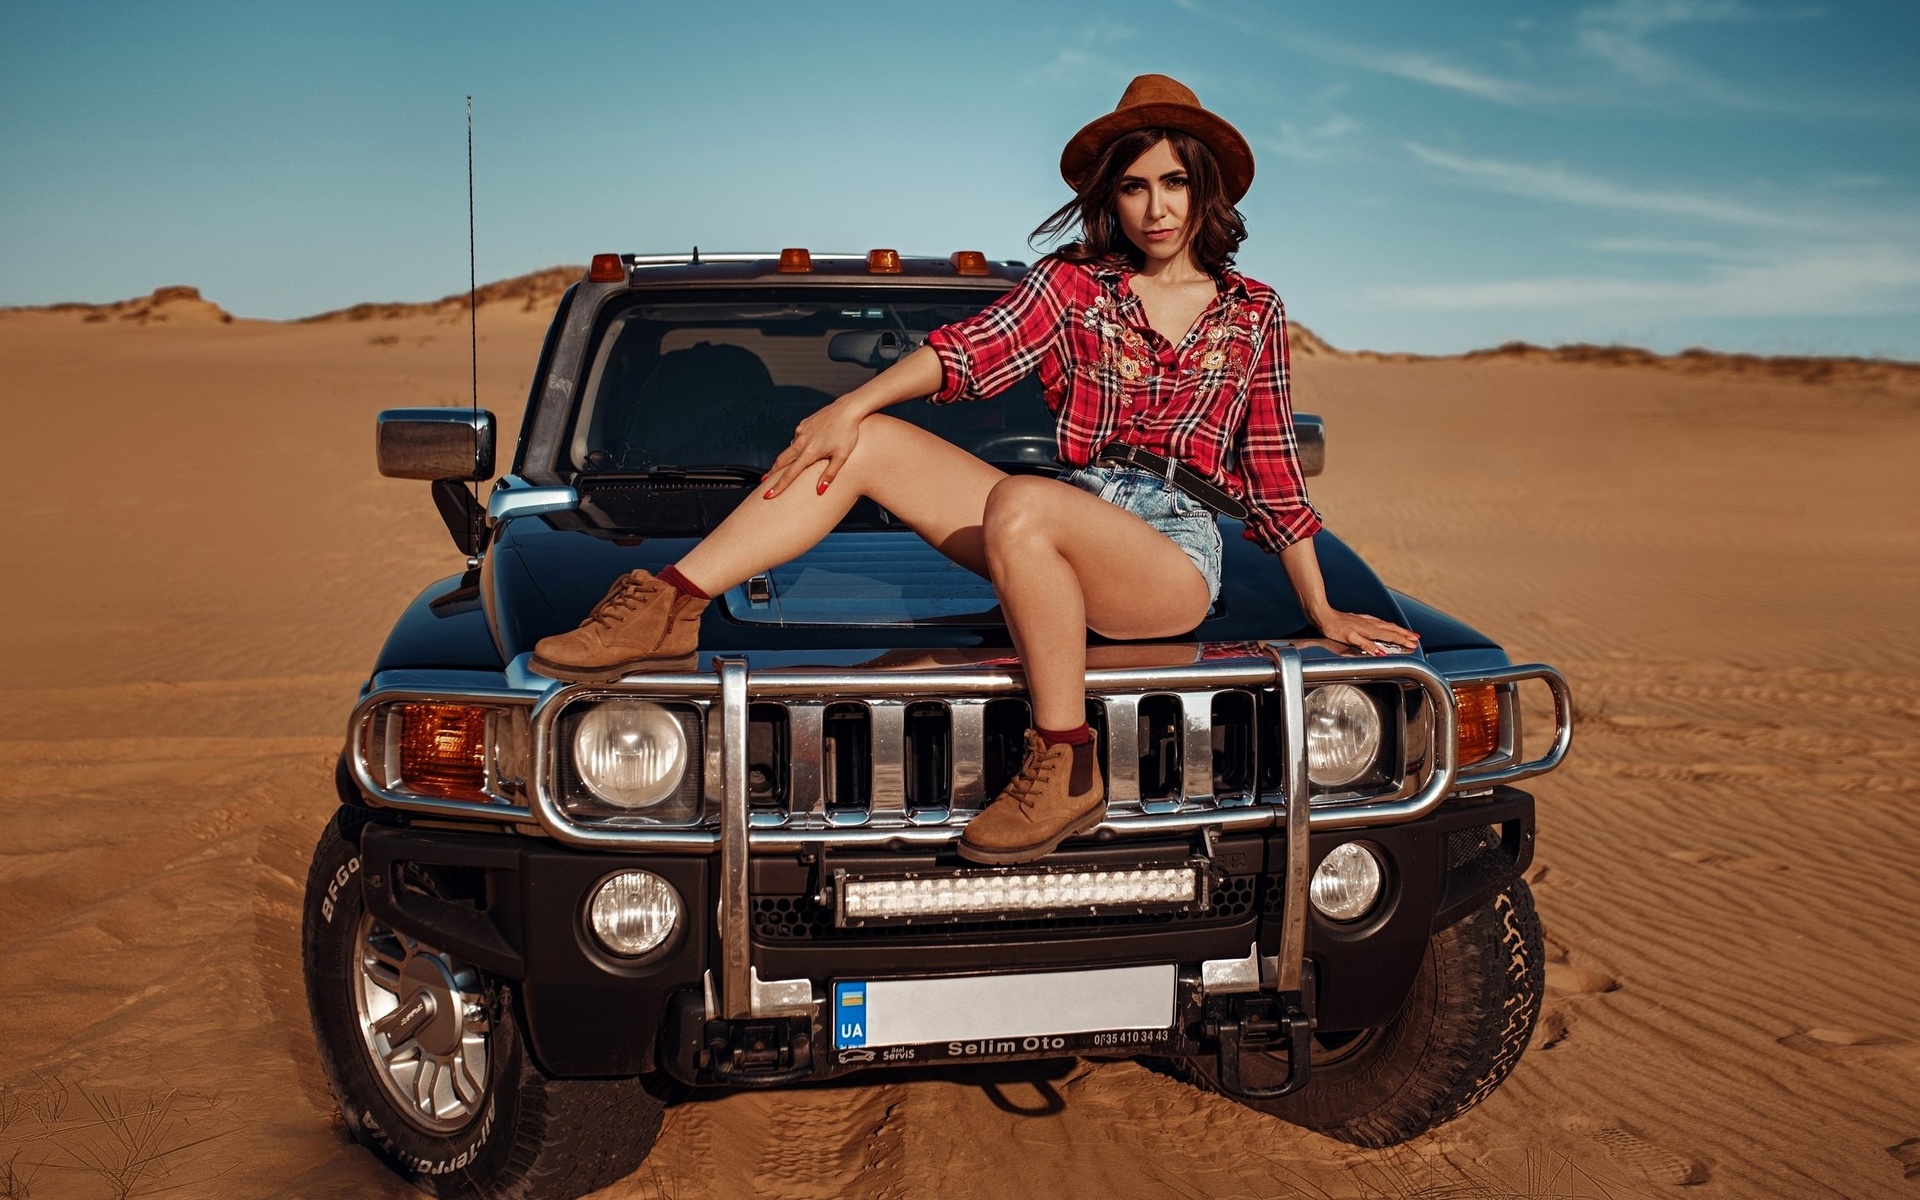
x,y
1057,794
641,624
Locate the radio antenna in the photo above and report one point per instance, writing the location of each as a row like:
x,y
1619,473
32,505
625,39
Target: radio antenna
x,y
473,338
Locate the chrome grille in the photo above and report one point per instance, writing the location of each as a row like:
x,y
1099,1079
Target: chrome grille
x,y
899,761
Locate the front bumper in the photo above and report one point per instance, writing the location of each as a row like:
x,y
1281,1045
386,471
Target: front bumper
x,y
514,906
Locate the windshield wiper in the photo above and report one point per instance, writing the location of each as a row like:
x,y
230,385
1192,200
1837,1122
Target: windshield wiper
x,y
728,472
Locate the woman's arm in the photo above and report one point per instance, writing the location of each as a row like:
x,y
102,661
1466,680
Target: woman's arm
x,y
832,432
1355,629
968,360
1280,518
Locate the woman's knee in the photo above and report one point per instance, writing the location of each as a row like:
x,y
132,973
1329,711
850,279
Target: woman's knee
x,y
1017,511
883,428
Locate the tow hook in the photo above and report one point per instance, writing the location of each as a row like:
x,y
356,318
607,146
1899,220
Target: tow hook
x,y
1256,1022
773,1051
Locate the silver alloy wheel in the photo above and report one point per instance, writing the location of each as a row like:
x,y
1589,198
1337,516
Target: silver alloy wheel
x,y
424,1022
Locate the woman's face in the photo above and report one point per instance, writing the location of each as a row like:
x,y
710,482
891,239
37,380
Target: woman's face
x,y
1151,202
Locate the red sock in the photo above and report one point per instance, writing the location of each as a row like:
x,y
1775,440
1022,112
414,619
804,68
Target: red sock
x,y
1071,737
680,583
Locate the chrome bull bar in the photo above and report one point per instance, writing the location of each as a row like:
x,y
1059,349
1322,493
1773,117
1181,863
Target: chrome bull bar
x,y
1265,672
967,688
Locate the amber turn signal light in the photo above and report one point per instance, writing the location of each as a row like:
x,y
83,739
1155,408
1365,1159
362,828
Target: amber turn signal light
x,y
883,262
794,260
443,750
607,268
1477,709
969,262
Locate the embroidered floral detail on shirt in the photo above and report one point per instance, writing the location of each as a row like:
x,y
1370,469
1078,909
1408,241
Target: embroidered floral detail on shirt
x,y
1225,355
1099,316
1123,351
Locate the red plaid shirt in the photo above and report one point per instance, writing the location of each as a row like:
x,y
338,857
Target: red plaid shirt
x,y
1217,401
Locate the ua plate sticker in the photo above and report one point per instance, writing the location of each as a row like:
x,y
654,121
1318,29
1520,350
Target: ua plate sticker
x,y
849,1015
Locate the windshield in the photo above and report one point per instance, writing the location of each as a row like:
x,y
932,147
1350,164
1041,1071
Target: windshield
x,y
720,384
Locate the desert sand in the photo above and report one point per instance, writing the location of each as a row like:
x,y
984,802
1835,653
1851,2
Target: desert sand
x,y
1721,554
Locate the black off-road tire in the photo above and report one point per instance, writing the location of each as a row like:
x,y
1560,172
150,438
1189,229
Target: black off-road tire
x,y
1463,1028
533,1138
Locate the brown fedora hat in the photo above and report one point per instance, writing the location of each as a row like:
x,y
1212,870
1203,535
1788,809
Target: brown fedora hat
x,y
1157,102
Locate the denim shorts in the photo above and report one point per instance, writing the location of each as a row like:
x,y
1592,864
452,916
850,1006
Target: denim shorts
x,y
1188,522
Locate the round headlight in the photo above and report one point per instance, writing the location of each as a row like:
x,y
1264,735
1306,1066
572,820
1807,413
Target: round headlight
x,y
1347,882
1343,734
632,912
630,754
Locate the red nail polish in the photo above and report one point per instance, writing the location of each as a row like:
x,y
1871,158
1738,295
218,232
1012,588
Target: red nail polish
x,y
769,495
822,489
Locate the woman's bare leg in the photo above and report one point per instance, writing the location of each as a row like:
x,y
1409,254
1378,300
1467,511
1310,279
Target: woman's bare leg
x,y
935,488
1064,561
1061,559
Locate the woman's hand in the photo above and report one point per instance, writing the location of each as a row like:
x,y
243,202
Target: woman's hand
x,y
1358,630
1365,633
832,432
829,433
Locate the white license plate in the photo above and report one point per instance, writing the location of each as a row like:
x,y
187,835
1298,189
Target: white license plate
x,y
1001,1009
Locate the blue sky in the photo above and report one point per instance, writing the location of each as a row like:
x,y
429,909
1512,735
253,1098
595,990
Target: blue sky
x,y
1741,174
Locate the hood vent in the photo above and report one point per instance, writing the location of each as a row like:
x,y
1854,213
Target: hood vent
x,y
881,579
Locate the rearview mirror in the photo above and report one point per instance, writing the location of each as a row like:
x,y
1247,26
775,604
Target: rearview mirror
x,y
435,443
874,348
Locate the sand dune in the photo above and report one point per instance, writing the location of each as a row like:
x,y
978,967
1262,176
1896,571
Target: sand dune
x,y
536,291
1721,557
178,304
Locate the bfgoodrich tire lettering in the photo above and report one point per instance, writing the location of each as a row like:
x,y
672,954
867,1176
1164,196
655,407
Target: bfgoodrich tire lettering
x,y
1463,1027
530,1137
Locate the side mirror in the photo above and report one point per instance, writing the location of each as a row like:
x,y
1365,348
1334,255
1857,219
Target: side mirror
x,y
435,443
1310,433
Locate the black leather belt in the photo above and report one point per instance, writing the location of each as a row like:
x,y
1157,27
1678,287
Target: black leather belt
x,y
1175,472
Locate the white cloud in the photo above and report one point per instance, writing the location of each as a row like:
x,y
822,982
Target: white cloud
x,y
1078,63
1572,187
1074,65
1108,31
1620,34
1856,282
1419,67
1311,139
1413,65
1678,247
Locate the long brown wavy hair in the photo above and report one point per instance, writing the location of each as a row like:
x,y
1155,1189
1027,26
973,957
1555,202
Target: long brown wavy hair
x,y
1092,217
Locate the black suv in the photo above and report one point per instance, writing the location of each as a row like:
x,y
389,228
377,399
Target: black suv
x,y
544,910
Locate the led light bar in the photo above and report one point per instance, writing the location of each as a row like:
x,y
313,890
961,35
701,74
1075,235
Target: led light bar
x,y
1017,893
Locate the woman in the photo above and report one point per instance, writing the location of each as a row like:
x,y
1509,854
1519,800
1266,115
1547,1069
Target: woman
x,y
1146,340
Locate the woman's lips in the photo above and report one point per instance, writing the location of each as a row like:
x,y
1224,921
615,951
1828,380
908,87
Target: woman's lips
x,y
1160,235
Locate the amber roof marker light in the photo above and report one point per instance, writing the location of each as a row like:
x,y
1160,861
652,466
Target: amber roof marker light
x,y
795,260
883,262
969,262
607,268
